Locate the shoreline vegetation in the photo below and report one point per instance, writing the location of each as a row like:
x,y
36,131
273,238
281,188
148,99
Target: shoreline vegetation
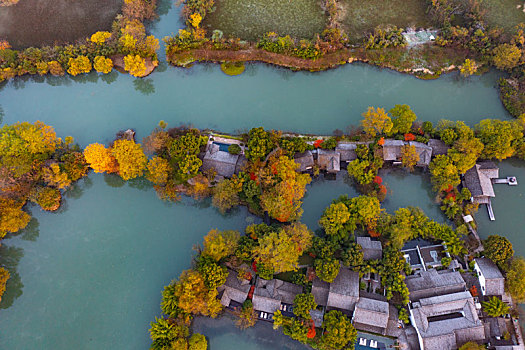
x,y
464,41
268,172
126,48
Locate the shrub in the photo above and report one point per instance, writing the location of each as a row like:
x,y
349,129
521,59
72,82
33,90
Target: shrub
x,y
103,64
79,65
135,65
234,149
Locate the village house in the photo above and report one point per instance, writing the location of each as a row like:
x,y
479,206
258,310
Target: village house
x,y
234,291
218,158
371,315
422,255
329,160
490,278
446,321
430,283
305,161
438,147
346,151
424,152
392,150
478,180
342,294
272,295
372,250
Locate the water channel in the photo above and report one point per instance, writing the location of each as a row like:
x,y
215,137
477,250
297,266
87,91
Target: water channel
x,y
90,275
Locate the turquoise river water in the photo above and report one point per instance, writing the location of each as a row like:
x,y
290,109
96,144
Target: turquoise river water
x,y
90,275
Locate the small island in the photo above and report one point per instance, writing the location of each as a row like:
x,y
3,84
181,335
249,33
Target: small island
x,y
368,279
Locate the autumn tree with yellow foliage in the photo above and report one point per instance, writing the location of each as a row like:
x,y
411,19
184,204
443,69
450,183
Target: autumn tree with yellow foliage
x,y
135,65
100,37
12,217
103,64
53,176
282,188
79,65
409,156
100,158
376,121
131,159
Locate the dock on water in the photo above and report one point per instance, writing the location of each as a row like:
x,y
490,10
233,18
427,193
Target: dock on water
x,y
480,180
491,212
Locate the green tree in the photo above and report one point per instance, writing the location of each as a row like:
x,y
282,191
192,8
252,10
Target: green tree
x,y
214,275
197,342
158,170
465,152
260,144
131,159
499,137
472,346
164,333
327,269
226,194
402,119
515,279
302,304
219,245
339,332
506,56
495,307
443,172
278,251
376,121
499,250
361,171
353,255
334,219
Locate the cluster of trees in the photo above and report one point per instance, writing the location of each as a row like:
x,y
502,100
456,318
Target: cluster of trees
x,y
128,38
35,166
174,334
500,251
339,333
270,182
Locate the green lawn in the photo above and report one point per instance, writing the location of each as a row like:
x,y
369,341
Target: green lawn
x,y
250,19
359,17
504,13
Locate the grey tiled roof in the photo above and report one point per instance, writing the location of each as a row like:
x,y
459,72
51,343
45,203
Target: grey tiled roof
x,y
488,268
442,319
371,249
371,312
424,284
234,289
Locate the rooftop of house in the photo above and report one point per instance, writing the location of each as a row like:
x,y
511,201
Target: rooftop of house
x,y
347,151
234,288
329,160
305,160
431,282
223,162
478,179
371,249
269,294
438,147
488,268
448,314
344,291
371,312
424,152
392,149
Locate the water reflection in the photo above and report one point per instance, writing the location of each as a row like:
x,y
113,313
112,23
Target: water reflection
x,y
113,180
10,258
144,86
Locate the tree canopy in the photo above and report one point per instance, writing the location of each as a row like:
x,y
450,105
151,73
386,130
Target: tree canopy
x,y
499,250
376,121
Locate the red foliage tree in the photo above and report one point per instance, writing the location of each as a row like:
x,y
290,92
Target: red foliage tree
x,y
410,137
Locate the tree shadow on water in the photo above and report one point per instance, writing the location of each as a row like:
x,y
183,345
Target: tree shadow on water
x,y
110,77
10,258
144,86
113,180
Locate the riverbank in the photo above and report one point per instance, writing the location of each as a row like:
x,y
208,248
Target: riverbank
x,y
426,62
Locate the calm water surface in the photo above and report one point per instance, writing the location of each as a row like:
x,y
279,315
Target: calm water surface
x,y
90,276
